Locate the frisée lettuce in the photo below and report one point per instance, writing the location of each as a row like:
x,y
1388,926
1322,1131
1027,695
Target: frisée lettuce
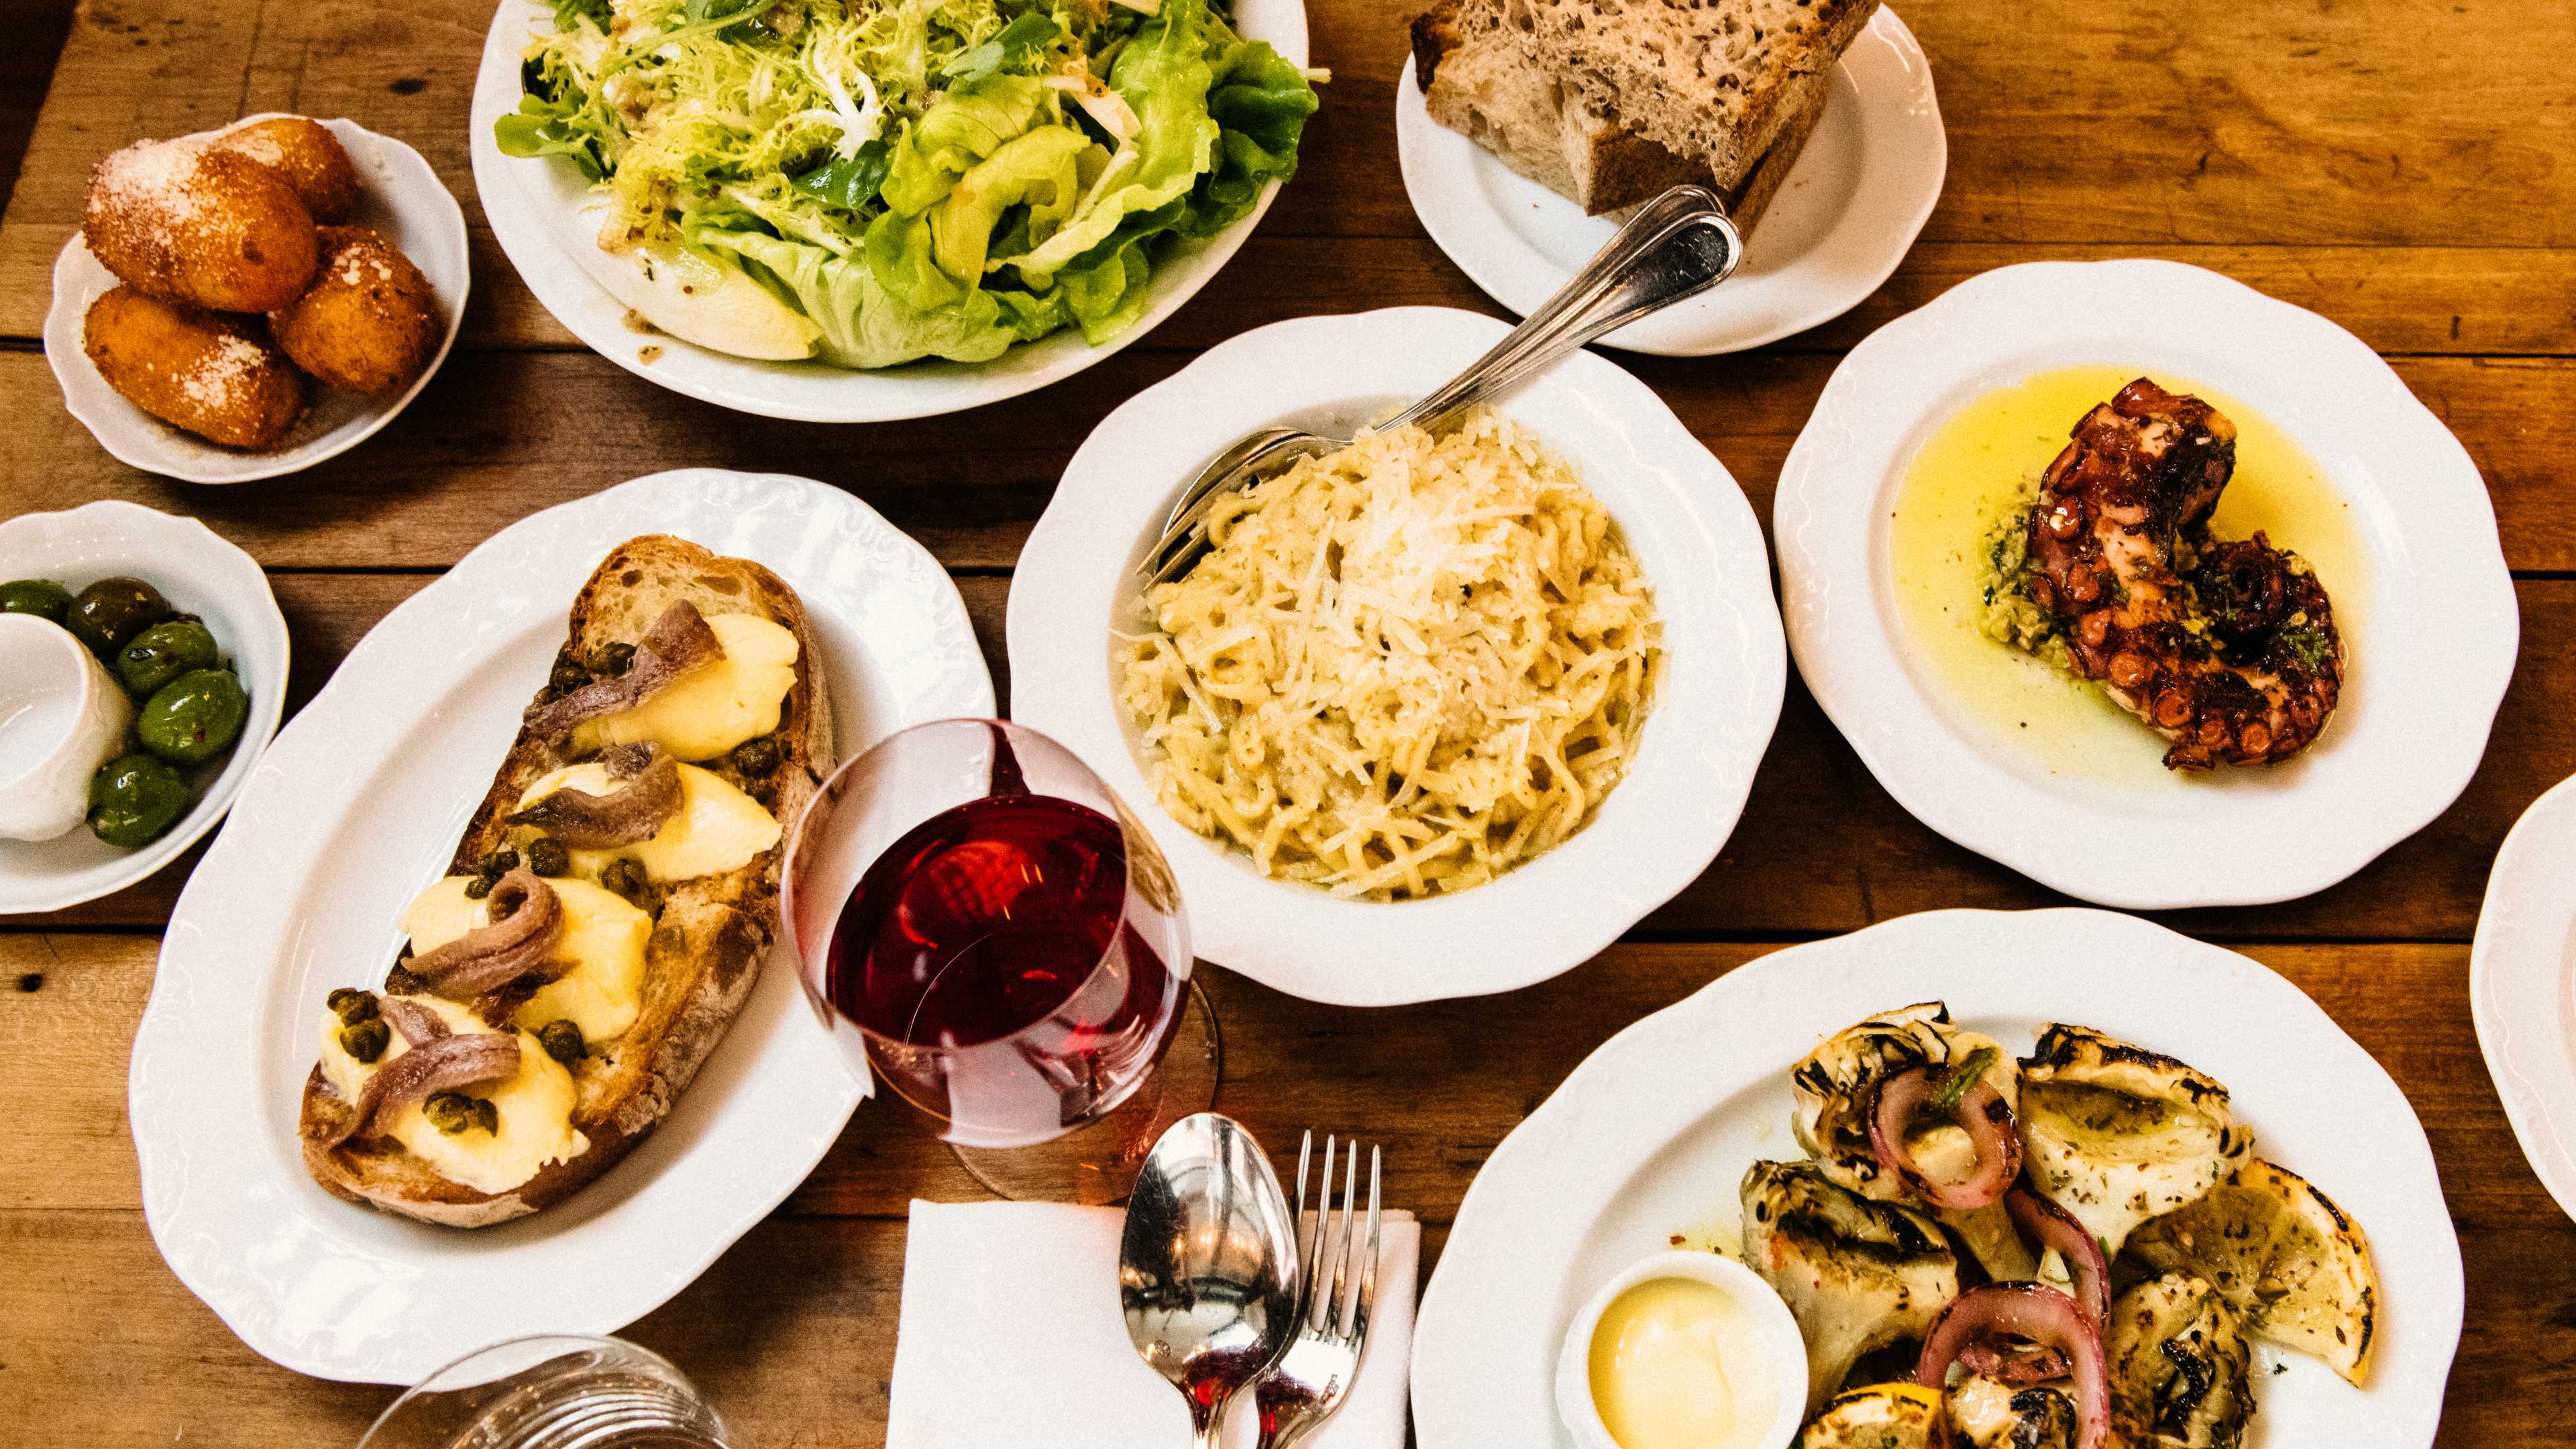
x,y
914,178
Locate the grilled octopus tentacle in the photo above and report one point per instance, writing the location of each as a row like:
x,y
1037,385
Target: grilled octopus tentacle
x,y
2228,650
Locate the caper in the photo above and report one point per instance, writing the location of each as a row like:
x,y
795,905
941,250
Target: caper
x,y
352,1005
756,757
567,676
111,611
367,1040
162,653
500,862
547,856
134,798
194,717
624,876
453,1112
562,1041
41,597
613,659
479,887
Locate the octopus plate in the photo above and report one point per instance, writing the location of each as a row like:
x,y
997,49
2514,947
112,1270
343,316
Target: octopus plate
x,y
1986,745
1650,1136
2522,987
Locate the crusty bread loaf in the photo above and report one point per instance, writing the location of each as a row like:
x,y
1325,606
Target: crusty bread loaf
x,y
1611,101
710,932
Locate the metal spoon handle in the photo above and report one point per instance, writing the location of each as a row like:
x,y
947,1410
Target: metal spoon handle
x,y
1678,245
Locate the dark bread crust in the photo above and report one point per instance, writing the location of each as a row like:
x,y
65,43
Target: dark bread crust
x,y
710,932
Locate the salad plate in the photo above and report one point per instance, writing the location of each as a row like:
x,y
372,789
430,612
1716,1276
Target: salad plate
x,y
357,803
1850,208
1697,546
2426,608
1648,1139
400,195
2522,986
201,573
548,220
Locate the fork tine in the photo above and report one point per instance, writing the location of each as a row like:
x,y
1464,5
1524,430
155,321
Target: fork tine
x,y
1311,1311
1368,1264
1342,1275
1305,1246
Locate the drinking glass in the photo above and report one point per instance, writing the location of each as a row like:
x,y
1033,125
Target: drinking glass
x,y
983,924
552,1391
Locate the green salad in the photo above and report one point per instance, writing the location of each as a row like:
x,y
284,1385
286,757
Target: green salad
x,y
916,178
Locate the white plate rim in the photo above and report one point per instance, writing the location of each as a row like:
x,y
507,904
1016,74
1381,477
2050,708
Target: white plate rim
x,y
1657,832
515,193
2520,989
2436,541
403,184
258,643
204,1188
1539,1192
1904,160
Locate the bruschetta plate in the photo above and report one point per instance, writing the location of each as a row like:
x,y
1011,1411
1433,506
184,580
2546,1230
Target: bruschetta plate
x,y
358,805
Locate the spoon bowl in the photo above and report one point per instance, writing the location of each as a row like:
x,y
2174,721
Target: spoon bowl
x,y
1207,1267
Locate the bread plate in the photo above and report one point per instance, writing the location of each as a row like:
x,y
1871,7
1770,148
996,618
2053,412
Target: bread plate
x,y
1845,217
354,809
1696,543
535,207
2430,621
1649,1137
2521,987
202,574
400,196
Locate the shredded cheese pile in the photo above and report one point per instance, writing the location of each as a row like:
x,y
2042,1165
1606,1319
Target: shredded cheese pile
x,y
1404,667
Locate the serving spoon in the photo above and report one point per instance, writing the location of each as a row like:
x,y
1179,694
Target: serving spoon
x,y
1207,1266
1678,245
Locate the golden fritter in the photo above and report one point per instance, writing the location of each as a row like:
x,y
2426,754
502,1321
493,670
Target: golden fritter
x,y
215,375
189,224
306,153
370,321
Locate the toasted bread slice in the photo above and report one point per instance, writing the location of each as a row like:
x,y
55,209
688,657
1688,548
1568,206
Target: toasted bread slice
x,y
1483,75
710,932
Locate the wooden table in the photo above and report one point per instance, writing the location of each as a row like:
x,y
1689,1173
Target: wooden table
x,y
2403,168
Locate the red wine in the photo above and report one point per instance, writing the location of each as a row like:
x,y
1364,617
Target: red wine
x,y
987,918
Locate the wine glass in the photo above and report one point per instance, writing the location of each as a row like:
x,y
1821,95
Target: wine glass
x,y
982,923
551,1391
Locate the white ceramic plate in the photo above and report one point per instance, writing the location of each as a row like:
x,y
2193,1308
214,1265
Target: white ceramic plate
x,y
401,197
532,205
200,574
2522,987
355,808
1694,535
1651,1137
1850,208
2429,659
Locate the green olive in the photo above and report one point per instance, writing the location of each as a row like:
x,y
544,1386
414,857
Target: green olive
x,y
562,1041
352,1005
367,1040
162,653
111,611
134,798
41,597
194,717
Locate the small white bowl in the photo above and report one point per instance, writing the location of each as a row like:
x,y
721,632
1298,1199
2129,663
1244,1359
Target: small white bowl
x,y
400,196
200,574
1777,1330
62,715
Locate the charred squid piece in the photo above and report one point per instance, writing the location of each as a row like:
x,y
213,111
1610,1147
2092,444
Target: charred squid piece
x,y
1879,1416
1857,1275
2228,650
2116,1134
1990,1413
2180,1365
1881,1107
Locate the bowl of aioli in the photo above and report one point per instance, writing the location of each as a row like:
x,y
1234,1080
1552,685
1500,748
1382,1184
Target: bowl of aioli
x,y
1683,1350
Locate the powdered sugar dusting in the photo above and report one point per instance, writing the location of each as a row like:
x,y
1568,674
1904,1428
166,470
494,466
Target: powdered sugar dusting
x,y
154,182
219,376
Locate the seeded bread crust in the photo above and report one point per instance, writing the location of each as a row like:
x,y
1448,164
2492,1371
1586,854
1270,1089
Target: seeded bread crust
x,y
710,933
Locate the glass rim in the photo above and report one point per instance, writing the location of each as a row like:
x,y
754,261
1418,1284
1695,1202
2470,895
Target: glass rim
x,y
572,1340
807,973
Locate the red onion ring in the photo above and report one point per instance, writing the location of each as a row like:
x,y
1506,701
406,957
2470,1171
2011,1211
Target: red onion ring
x,y
2057,1228
1982,1113
2036,1312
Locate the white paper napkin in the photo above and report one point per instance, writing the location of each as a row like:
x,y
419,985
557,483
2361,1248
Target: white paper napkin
x,y
1011,1338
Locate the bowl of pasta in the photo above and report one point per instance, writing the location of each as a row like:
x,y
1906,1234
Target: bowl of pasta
x,y
1436,715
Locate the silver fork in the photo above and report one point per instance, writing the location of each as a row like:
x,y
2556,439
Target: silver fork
x,y
1310,1379
1678,245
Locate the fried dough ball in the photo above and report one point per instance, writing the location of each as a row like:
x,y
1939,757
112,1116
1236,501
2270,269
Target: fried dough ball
x,y
306,153
370,321
215,375
188,224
